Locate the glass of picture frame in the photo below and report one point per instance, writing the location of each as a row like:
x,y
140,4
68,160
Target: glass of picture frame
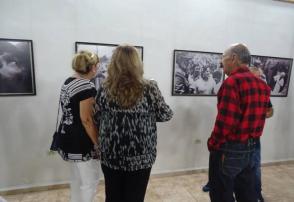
x,y
196,73
17,75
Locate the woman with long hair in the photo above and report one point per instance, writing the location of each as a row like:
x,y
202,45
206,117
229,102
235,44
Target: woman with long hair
x,y
129,107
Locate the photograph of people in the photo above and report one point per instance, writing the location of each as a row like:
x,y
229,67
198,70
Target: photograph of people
x,y
276,72
181,82
205,84
279,79
196,73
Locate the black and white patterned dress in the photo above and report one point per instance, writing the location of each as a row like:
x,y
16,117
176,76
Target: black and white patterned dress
x,y
75,144
128,137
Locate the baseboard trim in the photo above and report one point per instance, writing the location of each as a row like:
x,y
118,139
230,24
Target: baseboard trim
x,y
34,189
277,163
153,176
173,173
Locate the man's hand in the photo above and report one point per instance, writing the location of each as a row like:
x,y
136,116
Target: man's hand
x,y
269,112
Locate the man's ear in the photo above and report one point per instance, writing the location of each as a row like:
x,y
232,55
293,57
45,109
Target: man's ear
x,y
235,59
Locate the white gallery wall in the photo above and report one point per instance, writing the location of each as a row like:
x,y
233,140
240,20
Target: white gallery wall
x,y
27,122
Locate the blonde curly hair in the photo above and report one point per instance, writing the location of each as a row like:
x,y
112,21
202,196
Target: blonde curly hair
x,y
125,82
83,61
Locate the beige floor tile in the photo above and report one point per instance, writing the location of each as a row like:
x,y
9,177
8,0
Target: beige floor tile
x,y
13,198
278,186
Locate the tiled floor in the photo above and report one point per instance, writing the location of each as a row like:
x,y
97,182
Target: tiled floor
x,y
278,186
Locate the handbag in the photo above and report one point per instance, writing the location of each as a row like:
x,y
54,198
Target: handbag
x,y
56,136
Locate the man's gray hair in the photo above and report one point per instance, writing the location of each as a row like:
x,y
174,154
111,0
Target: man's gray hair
x,y
242,52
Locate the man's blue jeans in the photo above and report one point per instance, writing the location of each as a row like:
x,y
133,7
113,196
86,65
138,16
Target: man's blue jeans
x,y
257,162
232,170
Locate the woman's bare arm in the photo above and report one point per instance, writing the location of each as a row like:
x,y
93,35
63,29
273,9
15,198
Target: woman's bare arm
x,y
86,115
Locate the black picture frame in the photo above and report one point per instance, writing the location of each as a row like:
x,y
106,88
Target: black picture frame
x,y
104,51
286,1
190,71
17,72
276,73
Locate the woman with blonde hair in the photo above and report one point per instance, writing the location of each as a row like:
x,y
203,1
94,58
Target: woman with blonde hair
x,y
129,107
78,135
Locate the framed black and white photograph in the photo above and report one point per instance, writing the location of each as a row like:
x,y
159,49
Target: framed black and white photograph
x,y
276,73
17,76
104,52
196,73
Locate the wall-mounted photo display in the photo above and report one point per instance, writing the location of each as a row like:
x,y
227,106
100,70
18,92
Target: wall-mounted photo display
x,y
104,52
276,73
196,73
287,1
17,76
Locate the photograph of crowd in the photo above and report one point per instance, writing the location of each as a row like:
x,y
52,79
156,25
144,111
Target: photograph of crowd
x,y
196,73
276,73
16,67
104,52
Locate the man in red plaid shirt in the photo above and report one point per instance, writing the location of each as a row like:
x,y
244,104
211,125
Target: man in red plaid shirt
x,y
242,106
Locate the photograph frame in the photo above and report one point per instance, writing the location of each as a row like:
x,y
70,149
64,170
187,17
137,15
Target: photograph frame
x,y
17,70
215,78
286,1
274,68
104,58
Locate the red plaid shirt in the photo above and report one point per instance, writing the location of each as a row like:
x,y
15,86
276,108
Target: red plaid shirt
x,y
242,103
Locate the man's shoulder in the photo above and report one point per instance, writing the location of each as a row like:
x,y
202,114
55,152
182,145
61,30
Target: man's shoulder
x,y
264,84
242,77
231,80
